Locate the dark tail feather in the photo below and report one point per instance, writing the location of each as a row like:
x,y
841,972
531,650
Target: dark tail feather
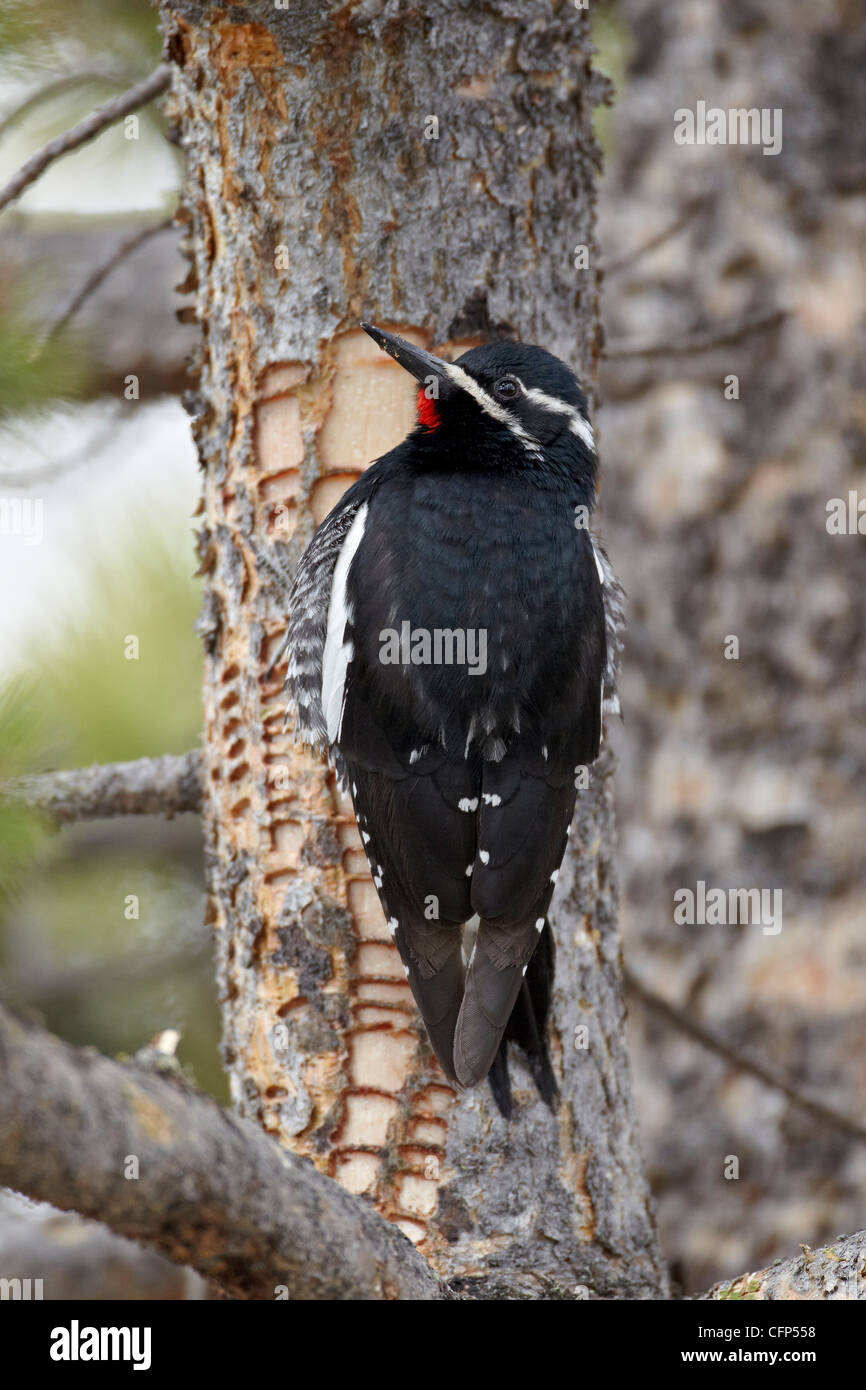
x,y
439,998
488,1000
527,1027
500,1082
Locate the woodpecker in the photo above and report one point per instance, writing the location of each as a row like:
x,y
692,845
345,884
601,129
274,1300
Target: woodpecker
x,y
454,630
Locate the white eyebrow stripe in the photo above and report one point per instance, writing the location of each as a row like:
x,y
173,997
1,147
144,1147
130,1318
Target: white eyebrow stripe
x,y
582,428
492,407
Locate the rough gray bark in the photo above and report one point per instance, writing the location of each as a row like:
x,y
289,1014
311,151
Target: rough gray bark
x,y
313,198
211,1191
65,1257
215,1194
836,1272
167,785
750,771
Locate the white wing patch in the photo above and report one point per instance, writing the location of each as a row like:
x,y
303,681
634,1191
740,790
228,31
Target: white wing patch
x,y
339,652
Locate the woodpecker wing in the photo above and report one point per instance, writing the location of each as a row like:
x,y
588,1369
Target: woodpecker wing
x,y
309,611
419,844
527,803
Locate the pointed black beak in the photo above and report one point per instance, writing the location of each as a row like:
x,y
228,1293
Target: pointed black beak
x,y
421,364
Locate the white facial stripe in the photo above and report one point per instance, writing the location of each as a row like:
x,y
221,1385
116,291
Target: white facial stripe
x,y
582,428
338,653
492,407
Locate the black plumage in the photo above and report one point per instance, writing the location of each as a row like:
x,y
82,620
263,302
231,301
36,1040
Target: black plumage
x,y
462,770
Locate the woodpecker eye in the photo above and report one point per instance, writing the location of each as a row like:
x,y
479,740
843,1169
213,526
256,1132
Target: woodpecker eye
x,y
506,388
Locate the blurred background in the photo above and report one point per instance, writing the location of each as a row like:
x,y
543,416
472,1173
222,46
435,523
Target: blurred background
x,y
746,772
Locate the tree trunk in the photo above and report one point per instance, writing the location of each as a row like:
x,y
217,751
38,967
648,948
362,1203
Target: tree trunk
x,y
431,171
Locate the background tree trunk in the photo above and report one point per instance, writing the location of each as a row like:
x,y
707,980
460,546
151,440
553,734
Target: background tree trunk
x,y
431,171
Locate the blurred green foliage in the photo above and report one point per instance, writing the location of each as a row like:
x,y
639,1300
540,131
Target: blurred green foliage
x,y
37,372
32,36
102,924
614,40
103,705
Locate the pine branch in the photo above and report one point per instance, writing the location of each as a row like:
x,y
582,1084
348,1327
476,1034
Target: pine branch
x,y
147,787
838,1272
706,341
657,239
86,130
211,1192
85,77
686,1023
102,272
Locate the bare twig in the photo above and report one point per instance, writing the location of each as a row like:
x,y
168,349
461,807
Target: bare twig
x,y
699,342
47,471
96,277
686,1023
211,1191
657,239
146,787
86,130
68,82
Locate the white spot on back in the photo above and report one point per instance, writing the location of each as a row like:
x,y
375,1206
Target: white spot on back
x,y
484,856
467,803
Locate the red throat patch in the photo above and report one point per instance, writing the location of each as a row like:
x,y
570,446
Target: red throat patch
x,y
427,412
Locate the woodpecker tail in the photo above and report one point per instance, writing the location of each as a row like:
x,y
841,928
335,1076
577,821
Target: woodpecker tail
x,y
527,1028
502,1001
438,991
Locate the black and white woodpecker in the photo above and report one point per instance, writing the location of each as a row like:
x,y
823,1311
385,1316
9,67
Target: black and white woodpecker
x,y
453,635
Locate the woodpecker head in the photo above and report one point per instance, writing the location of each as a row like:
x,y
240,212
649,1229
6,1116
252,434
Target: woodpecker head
x,y
505,403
